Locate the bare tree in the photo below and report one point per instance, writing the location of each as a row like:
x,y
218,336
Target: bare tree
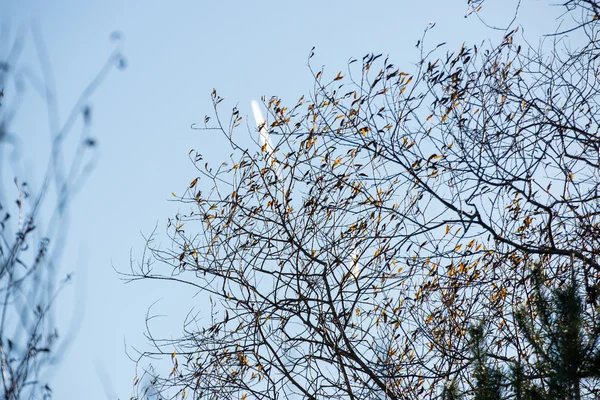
x,y
34,209
396,231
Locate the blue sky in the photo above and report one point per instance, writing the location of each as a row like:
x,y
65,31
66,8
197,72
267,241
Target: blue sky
x,y
177,52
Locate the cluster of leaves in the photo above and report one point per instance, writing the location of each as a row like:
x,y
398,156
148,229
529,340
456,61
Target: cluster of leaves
x,y
392,211
33,227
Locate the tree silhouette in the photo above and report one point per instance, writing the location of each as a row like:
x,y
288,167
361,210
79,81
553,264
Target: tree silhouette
x,y
394,211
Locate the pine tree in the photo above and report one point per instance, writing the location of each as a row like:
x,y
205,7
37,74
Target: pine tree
x,y
451,392
564,344
488,378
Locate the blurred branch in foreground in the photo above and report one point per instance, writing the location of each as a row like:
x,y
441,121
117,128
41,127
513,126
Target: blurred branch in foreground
x,y
34,206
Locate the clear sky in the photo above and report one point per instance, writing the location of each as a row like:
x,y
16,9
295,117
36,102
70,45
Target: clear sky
x,y
177,52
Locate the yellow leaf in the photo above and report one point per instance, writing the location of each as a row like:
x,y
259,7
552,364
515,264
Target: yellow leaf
x,y
429,117
447,229
458,247
173,193
337,162
193,183
339,76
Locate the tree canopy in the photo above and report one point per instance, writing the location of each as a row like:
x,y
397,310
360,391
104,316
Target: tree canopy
x,y
400,233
